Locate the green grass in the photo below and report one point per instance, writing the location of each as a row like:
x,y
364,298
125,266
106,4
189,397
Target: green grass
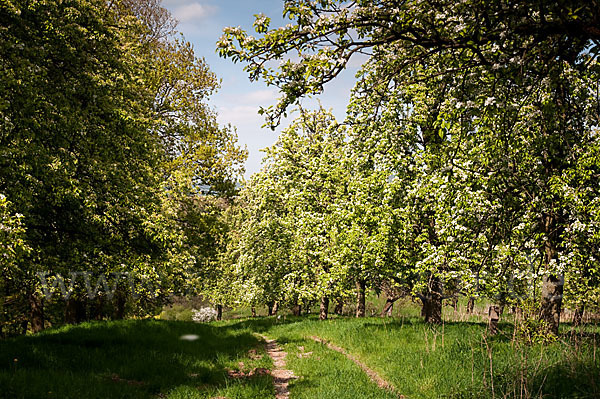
x,y
448,361
147,359
132,359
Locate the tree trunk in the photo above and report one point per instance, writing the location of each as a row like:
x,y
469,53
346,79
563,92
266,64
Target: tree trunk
x,y
470,305
360,298
120,302
75,312
552,291
388,307
297,310
219,312
339,306
552,285
275,307
24,325
432,308
308,306
270,308
578,315
432,302
97,309
36,305
324,308
493,319
253,310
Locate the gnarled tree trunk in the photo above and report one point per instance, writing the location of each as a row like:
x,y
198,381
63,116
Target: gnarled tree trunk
x,y
120,301
550,307
97,308
297,309
432,302
270,308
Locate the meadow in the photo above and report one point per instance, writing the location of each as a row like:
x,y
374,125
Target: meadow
x,y
181,359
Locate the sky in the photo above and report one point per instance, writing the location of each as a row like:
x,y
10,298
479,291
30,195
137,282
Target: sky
x,y
238,100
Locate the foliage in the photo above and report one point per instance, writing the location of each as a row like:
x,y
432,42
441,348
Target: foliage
x,y
107,143
482,116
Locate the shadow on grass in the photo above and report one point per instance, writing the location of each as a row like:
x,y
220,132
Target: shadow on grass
x,y
570,378
127,359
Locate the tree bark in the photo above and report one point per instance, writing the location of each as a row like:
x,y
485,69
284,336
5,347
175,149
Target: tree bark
x,y
24,325
97,309
432,308
552,290
75,312
432,302
219,312
36,305
275,307
578,315
388,307
120,302
470,305
297,310
339,307
324,308
552,285
360,298
493,319
253,310
270,306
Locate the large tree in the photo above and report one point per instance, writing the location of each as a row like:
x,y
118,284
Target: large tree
x,y
105,138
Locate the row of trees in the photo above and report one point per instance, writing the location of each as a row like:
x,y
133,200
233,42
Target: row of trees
x,y
468,161
106,147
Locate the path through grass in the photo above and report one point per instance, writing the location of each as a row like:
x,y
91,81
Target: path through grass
x,y
148,359
421,361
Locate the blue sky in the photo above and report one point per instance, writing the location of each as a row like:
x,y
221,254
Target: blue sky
x,y
238,100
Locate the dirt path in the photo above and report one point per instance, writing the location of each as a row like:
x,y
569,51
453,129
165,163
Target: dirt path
x,y
376,378
281,376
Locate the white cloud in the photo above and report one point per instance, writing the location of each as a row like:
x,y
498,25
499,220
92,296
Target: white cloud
x,y
261,97
241,110
240,116
193,12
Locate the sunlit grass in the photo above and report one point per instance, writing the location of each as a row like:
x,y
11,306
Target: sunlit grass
x,y
174,359
451,360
